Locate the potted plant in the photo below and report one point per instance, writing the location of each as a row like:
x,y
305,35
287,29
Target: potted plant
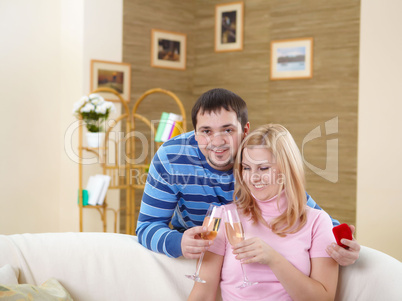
x,y
94,110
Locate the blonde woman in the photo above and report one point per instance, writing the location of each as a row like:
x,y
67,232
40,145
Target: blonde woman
x,y
285,240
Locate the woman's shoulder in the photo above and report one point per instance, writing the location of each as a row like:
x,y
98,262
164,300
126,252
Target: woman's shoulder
x,y
231,205
314,215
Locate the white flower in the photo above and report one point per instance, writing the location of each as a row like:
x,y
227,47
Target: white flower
x,y
80,103
110,106
96,99
101,109
88,108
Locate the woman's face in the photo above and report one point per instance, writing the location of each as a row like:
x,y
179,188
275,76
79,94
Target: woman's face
x,y
260,172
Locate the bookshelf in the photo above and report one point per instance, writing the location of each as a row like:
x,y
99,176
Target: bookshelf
x,y
118,158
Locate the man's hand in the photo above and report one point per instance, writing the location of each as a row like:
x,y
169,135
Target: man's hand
x,y
345,257
192,245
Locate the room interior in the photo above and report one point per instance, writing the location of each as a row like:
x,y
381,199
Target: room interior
x,y
46,69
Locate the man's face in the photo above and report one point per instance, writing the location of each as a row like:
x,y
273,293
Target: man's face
x,y
219,136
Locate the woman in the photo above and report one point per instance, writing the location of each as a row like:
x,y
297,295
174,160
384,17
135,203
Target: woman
x,y
285,243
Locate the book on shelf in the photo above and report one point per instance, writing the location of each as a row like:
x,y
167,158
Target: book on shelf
x,y
170,125
105,186
177,129
161,126
97,188
84,197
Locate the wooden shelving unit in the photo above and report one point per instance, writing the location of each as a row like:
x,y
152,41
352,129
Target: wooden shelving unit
x,y
110,158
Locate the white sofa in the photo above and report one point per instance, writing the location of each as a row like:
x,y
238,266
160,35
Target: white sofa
x,y
105,266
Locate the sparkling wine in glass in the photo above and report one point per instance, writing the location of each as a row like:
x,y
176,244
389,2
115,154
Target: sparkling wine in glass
x,y
235,235
212,222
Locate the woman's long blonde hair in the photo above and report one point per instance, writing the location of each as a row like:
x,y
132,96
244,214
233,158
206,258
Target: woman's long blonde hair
x,y
280,142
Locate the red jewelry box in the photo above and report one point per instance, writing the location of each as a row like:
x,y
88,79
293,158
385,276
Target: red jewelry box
x,y
342,231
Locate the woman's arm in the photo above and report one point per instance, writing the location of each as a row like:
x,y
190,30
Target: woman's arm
x,y
321,285
211,273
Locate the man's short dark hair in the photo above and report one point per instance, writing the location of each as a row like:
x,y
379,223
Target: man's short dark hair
x,y
216,99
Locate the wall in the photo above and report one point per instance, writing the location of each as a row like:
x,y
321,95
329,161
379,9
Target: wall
x,y
102,40
244,72
300,105
140,17
379,191
30,128
331,96
45,69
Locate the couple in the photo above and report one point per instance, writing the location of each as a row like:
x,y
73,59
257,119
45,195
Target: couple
x,y
194,170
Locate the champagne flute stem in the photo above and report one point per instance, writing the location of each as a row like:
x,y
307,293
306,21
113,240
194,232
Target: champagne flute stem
x,y
244,273
199,264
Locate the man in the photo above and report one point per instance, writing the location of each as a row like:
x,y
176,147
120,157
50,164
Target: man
x,y
193,170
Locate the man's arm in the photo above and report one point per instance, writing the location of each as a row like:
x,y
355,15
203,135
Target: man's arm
x,y
311,203
157,208
158,204
343,257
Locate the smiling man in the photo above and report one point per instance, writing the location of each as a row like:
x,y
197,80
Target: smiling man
x,y
192,171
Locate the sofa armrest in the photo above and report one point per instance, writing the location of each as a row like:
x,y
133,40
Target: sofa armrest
x,y
374,276
97,266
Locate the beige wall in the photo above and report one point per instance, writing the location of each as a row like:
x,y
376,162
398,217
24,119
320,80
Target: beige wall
x,y
102,41
30,106
379,192
44,70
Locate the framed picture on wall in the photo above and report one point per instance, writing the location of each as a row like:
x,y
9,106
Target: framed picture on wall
x,y
292,59
168,49
229,23
114,75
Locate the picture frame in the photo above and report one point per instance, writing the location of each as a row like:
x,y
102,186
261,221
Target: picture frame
x,y
105,74
229,26
168,49
292,59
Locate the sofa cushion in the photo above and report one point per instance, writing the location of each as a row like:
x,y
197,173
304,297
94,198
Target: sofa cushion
x,y
51,290
8,275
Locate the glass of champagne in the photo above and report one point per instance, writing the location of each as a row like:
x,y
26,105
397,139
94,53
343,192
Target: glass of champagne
x,y
212,222
235,235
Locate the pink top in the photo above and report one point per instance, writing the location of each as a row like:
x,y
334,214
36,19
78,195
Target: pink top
x,y
311,241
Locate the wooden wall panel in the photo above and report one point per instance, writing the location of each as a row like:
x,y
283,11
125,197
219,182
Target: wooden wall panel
x,y
300,105
303,105
244,72
139,18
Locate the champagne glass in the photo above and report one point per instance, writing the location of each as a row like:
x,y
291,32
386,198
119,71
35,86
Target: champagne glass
x,y
235,235
212,222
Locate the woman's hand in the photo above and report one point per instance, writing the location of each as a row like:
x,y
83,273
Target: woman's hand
x,y
254,250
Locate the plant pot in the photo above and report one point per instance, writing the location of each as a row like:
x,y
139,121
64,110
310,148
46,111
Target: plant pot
x,y
95,139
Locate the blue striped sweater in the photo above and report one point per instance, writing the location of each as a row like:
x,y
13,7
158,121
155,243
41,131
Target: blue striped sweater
x,y
179,188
